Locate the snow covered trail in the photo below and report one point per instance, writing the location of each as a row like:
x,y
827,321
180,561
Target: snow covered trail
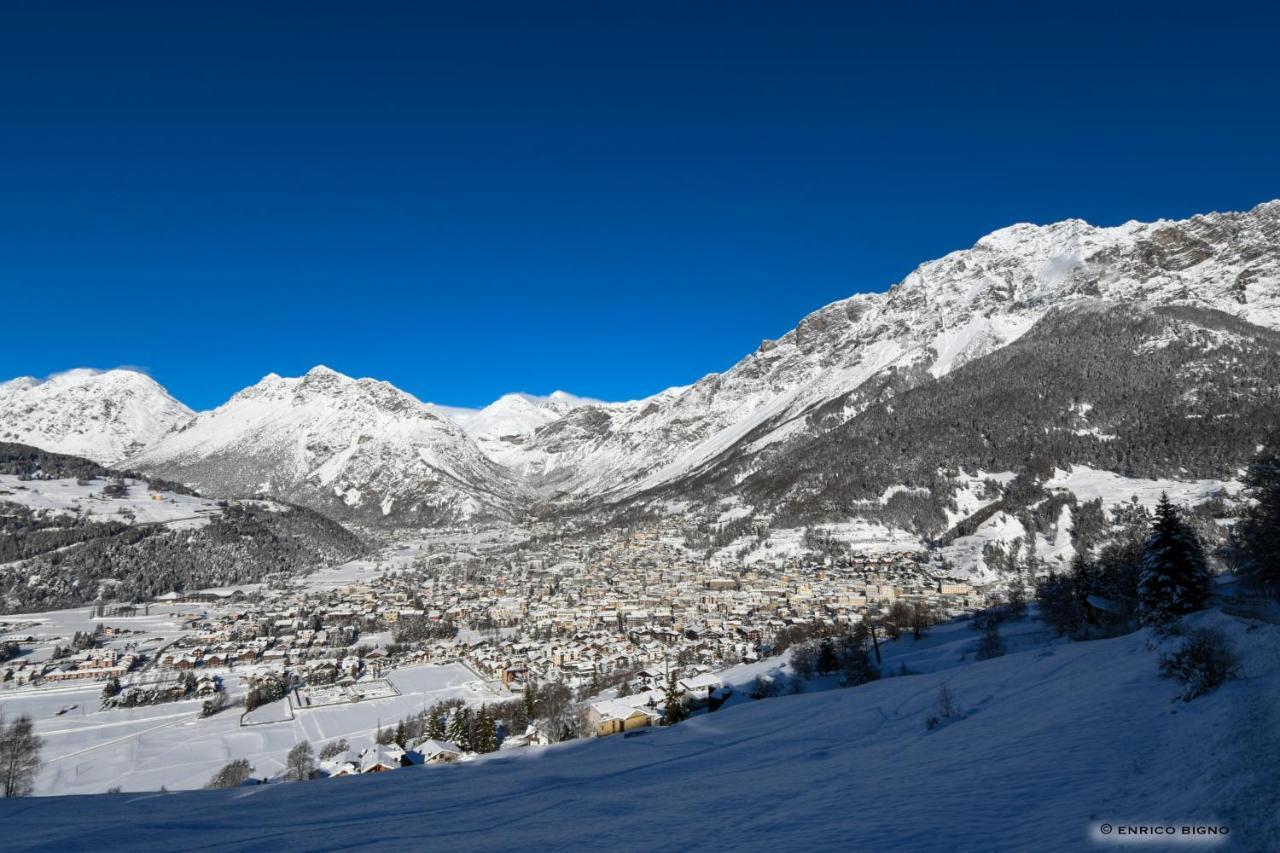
x,y
1052,741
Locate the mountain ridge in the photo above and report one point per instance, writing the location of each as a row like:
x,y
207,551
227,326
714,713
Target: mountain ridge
x,y
448,464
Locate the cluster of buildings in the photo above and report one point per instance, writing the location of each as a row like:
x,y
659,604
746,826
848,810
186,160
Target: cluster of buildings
x,y
91,664
591,614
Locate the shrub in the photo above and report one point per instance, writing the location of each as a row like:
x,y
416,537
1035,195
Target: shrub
x,y
804,660
764,688
232,775
1203,663
334,748
992,644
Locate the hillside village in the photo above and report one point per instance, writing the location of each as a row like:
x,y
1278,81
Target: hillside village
x,y
613,620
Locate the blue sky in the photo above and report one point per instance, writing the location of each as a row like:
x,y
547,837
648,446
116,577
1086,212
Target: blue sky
x,y
539,196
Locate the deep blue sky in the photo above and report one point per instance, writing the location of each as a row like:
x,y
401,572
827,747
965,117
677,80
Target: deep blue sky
x,y
532,196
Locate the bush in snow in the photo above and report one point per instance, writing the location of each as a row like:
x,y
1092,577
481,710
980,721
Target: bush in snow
x,y
991,645
1203,663
334,748
947,709
232,775
764,688
804,660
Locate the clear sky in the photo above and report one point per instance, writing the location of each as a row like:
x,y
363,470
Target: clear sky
x,y
532,196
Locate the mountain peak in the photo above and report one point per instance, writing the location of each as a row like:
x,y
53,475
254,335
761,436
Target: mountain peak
x,y
102,415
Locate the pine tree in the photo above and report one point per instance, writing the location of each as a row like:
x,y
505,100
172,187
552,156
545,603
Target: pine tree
x,y
486,732
435,729
827,661
530,699
459,729
1255,540
673,707
1174,578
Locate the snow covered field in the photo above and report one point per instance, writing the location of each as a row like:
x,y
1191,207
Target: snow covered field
x,y
1054,739
141,506
88,750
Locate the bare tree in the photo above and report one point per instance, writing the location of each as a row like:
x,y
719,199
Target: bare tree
x,y
19,757
921,618
300,764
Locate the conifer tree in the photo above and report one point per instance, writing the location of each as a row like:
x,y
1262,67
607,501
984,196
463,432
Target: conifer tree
x,y
486,732
1174,578
827,661
673,707
459,729
1255,540
435,729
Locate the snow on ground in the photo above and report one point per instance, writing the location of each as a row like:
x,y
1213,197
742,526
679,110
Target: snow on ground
x,y
159,626
1052,741
965,553
141,506
1090,484
88,750
860,535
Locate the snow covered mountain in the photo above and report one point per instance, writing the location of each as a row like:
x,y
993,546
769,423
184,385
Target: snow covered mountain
x,y
103,415
363,449
353,448
943,315
514,414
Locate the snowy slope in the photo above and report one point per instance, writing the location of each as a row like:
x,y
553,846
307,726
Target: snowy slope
x,y
354,448
1054,740
99,415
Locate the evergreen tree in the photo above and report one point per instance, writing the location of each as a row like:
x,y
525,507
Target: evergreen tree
x,y
459,729
435,729
530,699
1255,542
673,708
402,735
827,661
486,732
1174,579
